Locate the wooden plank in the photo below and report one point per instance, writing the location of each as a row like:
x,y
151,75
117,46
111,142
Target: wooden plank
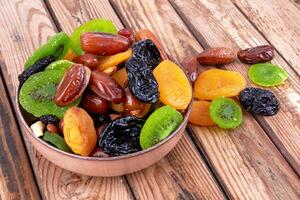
x,y
246,161
279,21
26,28
182,174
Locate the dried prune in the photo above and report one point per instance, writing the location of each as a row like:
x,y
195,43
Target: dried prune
x,y
122,136
38,66
146,51
259,101
49,119
141,80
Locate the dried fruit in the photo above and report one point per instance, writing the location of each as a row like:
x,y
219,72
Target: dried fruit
x,y
70,55
106,87
121,136
109,61
214,83
141,80
216,56
57,141
60,65
190,66
126,32
52,128
267,74
226,113
117,107
95,104
173,85
79,131
89,60
111,70
72,85
146,51
103,44
259,101
120,76
49,119
200,114
259,54
38,128
159,125
131,104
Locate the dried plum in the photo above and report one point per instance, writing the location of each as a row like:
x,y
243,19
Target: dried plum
x,y
122,136
141,81
49,119
38,66
147,51
259,101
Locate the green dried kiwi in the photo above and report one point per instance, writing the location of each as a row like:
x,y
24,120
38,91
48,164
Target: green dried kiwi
x,y
36,94
267,74
57,141
59,65
159,125
96,25
56,46
226,113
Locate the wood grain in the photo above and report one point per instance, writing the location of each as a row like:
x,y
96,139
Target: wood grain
x,y
28,26
247,162
182,174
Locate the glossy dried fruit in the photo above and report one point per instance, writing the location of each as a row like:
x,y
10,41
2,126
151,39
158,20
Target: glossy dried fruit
x,y
121,136
214,83
49,119
259,101
52,128
114,60
267,74
57,141
89,60
94,104
72,85
200,114
106,87
146,51
173,85
259,54
141,80
120,76
216,56
126,32
117,107
79,131
104,44
70,55
111,70
131,104
190,66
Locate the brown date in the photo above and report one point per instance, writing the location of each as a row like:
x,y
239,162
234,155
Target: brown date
x,y
126,32
72,85
216,56
257,54
131,103
104,44
89,60
190,66
106,87
95,104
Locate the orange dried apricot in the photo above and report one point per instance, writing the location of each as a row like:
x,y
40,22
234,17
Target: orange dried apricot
x,y
214,83
109,61
70,55
79,131
120,76
173,85
200,114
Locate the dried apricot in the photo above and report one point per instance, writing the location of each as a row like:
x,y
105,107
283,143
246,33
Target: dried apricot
x,y
79,131
120,76
200,114
109,61
214,83
173,85
70,55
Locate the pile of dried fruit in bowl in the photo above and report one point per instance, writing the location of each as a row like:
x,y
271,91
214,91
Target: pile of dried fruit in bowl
x,y
102,92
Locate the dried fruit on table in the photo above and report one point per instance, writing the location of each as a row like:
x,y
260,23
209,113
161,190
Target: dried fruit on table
x,y
131,104
159,125
57,141
120,76
141,80
190,66
126,32
49,119
94,104
259,54
200,114
109,61
79,131
96,25
144,34
226,113
216,56
121,136
72,85
259,101
89,60
173,85
103,44
267,74
106,87
60,65
146,51
214,83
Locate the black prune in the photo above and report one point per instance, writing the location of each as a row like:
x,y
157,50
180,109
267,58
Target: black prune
x,y
49,119
147,51
121,136
141,81
38,66
259,101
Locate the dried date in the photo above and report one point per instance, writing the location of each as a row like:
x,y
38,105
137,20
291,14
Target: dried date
x,y
216,56
259,54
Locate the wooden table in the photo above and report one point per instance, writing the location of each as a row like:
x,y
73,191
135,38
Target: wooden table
x,y
259,160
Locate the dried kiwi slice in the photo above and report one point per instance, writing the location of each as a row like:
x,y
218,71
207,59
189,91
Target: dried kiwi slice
x,y
60,65
267,74
226,113
96,25
56,46
57,141
36,94
159,125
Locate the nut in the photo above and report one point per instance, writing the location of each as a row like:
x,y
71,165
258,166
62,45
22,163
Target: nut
x,y
72,85
216,56
38,128
257,54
